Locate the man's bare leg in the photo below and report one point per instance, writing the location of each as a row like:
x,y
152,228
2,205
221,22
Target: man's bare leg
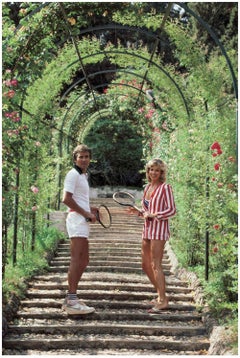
x,y
78,263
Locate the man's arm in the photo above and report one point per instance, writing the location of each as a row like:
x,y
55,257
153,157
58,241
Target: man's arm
x,y
71,203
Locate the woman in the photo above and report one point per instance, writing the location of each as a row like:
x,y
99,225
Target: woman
x,y
157,207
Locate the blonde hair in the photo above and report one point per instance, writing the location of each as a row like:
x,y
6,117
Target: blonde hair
x,y
161,165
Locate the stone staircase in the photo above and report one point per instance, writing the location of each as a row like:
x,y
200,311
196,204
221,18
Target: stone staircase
x,y
120,292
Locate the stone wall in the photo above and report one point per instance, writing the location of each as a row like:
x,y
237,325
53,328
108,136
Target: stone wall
x,y
107,192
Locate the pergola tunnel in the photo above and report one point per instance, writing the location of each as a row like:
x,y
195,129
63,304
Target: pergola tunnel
x,y
134,81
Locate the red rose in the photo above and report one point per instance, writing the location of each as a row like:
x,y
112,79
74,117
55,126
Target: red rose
x,y
217,166
216,146
216,226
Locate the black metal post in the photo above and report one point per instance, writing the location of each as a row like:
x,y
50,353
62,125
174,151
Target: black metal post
x,y
207,236
15,220
207,200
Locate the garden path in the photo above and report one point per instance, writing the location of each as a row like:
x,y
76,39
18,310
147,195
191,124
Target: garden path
x,y
116,286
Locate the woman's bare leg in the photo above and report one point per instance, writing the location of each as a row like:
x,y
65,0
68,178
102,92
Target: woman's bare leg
x,y
146,261
157,250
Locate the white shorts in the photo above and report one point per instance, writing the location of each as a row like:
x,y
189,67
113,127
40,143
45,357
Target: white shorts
x,y
77,226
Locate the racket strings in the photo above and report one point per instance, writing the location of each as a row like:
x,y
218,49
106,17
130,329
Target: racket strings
x,y
104,216
124,199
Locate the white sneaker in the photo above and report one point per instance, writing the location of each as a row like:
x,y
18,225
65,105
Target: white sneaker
x,y
76,307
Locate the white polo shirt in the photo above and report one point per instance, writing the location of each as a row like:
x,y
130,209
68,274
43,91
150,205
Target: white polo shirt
x,y
77,184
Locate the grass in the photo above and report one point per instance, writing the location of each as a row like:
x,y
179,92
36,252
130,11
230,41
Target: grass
x,y
29,263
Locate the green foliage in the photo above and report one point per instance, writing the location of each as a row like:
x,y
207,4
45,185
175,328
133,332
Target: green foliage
x,y
40,125
30,263
205,185
117,150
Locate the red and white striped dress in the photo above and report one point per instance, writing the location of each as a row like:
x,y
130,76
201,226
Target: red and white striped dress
x,y
162,203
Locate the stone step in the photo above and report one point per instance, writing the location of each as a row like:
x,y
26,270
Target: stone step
x,y
103,294
100,342
92,277
111,242
114,248
78,328
103,263
115,285
106,285
109,245
128,269
100,244
114,251
118,235
104,303
100,256
32,310
125,352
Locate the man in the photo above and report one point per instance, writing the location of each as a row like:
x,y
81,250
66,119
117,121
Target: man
x,y
76,197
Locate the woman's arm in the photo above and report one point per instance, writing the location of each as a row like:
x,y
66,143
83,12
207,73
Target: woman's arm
x,y
170,210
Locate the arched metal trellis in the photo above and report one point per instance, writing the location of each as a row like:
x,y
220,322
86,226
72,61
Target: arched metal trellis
x,y
149,61
160,68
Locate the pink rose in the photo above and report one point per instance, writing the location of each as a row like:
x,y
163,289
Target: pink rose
x,y
34,189
9,94
231,159
14,82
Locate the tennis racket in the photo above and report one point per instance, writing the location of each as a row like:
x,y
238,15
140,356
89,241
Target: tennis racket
x,y
103,216
126,199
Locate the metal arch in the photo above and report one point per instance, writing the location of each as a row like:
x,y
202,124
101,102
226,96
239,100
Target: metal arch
x,y
147,60
81,112
65,116
119,27
115,26
76,48
75,45
81,58
150,34
167,12
92,118
98,73
101,85
218,42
